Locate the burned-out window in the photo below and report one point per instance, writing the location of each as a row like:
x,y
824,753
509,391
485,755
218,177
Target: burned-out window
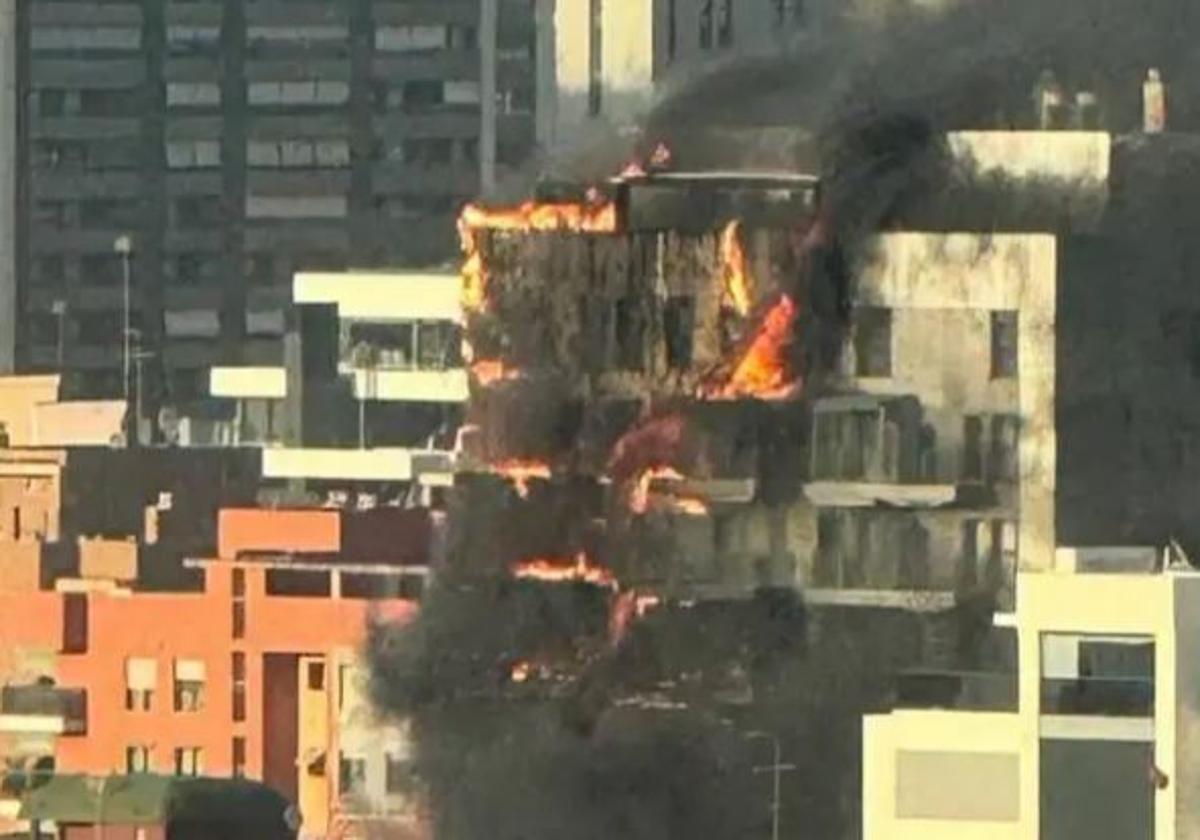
x,y
968,565
399,775
844,543
725,24
679,321
352,776
1004,345
595,56
873,342
706,24
830,546
972,465
1005,439
630,330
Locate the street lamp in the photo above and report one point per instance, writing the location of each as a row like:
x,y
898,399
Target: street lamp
x,y
124,247
776,768
59,308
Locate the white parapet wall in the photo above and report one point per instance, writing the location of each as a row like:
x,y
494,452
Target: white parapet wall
x,y
248,382
383,296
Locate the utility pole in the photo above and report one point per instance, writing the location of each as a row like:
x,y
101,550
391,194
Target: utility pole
x,y
776,768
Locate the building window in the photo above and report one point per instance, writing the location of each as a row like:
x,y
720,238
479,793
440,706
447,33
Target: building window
x,y
101,270
725,25
972,466
239,757
1004,456
595,56
141,676
189,761
630,334
102,102
789,13
238,585
1004,345
352,776
137,759
189,685
706,24
679,321
316,676
238,668
75,623
398,774
52,102
873,342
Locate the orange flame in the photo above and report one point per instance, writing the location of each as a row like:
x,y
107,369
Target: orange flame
x,y
558,570
491,371
520,672
521,472
598,216
628,607
639,496
688,505
733,266
762,370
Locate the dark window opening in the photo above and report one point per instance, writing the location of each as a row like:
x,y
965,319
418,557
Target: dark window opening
x,y
972,467
1004,345
198,211
51,269
109,214
52,102
75,623
1005,437
239,757
399,776
239,620
110,103
725,26
706,24
238,583
830,547
423,94
679,321
968,574
873,342
630,334
352,776
299,584
102,269
315,676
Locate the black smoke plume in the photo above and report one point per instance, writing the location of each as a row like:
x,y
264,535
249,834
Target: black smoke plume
x,y
589,753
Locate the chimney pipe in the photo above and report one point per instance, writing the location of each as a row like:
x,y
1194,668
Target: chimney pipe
x,y
1154,103
1048,96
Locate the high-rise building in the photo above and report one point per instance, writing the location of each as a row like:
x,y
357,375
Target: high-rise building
x,y
202,152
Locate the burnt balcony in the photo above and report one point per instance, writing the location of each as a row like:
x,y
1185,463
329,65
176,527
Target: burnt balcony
x,y
976,691
43,709
871,450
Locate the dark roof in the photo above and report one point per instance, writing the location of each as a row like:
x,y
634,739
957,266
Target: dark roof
x,y
147,799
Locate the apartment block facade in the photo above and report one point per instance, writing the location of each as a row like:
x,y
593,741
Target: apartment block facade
x,y
100,680
234,144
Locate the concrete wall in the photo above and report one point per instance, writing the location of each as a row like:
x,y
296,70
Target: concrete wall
x,y
1187,709
18,396
946,285
908,794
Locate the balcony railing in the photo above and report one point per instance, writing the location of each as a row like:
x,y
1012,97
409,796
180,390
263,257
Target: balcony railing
x,y
977,691
37,701
1100,696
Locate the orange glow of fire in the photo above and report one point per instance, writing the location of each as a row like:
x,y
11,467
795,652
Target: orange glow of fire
x,y
491,371
762,371
688,505
628,607
558,570
639,495
521,472
733,266
596,216
520,672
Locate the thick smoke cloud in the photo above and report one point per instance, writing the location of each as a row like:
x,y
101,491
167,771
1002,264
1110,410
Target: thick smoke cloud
x,y
867,108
